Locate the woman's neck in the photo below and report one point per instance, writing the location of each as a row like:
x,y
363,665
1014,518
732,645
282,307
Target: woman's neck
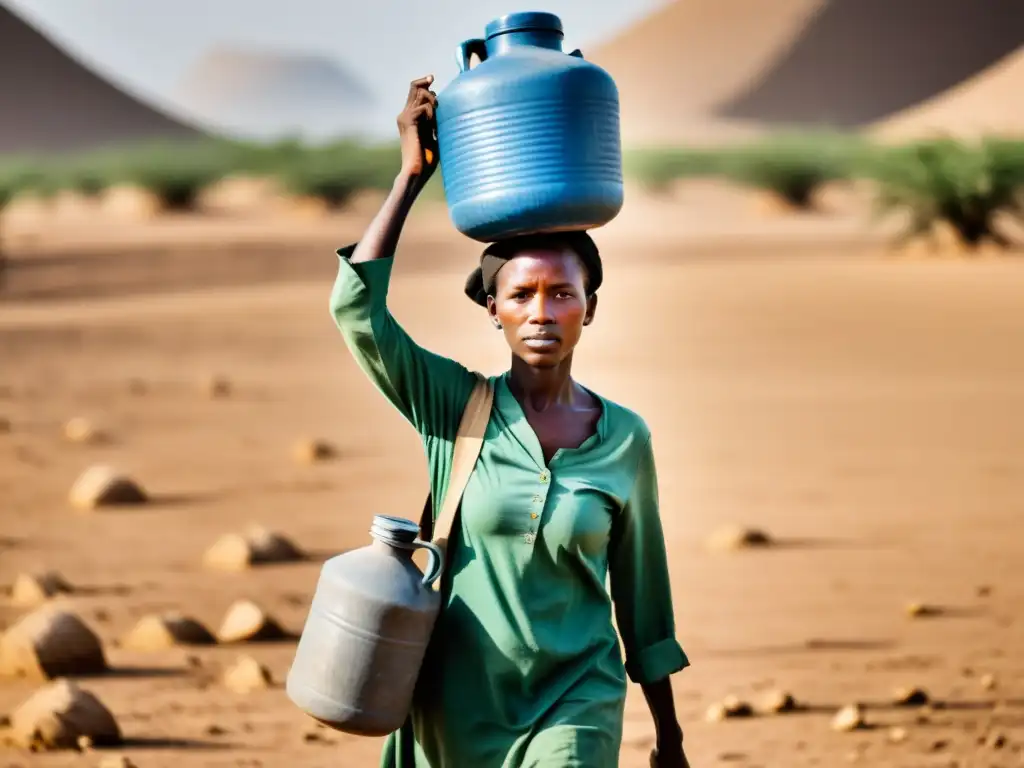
x,y
542,388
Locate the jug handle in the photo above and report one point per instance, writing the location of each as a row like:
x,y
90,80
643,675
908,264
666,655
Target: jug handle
x,y
465,52
435,562
577,53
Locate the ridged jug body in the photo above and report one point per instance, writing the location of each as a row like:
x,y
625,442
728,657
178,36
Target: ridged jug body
x,y
529,139
359,656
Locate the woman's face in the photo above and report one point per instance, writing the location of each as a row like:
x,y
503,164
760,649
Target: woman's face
x,y
540,303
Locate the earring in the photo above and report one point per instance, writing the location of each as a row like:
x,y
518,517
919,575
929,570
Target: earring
x,y
497,325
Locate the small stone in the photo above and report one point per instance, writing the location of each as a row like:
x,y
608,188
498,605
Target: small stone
x,y
923,610
84,743
995,740
159,631
50,643
910,697
30,589
988,682
246,675
983,590
849,718
728,708
258,546
778,702
5,425
736,537
897,735
246,622
193,662
938,745
57,716
311,451
215,730
101,486
81,430
216,387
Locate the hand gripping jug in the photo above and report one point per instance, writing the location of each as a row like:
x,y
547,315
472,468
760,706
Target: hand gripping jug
x,y
529,139
360,652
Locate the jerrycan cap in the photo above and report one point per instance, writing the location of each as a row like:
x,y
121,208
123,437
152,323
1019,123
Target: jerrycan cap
x,y
394,530
539,21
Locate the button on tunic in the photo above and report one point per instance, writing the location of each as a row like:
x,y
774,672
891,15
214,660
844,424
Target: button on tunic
x,y
525,667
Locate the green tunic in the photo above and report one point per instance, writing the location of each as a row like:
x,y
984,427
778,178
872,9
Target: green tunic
x,y
524,668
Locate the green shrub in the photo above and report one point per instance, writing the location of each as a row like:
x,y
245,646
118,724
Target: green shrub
x,y
656,169
794,167
335,172
175,173
965,186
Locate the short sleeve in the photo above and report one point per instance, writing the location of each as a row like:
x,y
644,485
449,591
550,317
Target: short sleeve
x,y
640,588
428,389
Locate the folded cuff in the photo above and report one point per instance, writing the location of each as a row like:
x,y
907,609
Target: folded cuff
x,y
361,286
656,662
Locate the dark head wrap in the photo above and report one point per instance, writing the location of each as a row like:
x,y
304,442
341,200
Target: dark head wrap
x,y
481,280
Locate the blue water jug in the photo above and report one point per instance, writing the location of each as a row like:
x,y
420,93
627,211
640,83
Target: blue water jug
x,y
529,139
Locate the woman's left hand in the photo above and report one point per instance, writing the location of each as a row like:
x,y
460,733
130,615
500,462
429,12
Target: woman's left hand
x,y
669,756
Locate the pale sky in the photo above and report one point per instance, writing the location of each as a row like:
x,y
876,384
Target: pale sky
x,y
146,46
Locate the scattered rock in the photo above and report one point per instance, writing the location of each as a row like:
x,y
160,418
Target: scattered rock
x,y
246,675
736,537
116,761
849,718
84,743
215,730
246,622
988,682
728,708
995,740
35,588
57,716
897,735
216,387
910,697
101,486
983,590
938,745
310,451
81,430
778,702
50,643
159,631
923,610
5,425
258,546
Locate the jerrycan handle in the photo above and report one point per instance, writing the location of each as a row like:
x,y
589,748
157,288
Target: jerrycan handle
x,y
465,52
435,562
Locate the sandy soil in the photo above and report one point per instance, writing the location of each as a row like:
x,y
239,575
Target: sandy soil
x,y
868,412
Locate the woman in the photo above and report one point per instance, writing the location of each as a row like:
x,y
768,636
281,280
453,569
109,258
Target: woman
x,y
524,668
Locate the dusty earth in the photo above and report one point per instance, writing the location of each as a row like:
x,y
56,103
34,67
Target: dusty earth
x,y
867,411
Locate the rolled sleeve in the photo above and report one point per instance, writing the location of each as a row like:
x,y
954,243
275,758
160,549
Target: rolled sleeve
x,y
640,587
656,662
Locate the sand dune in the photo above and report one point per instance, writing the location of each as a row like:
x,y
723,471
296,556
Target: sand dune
x,y
989,103
49,101
675,65
265,94
861,60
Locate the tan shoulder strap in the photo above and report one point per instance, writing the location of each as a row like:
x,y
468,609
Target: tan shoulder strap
x,y
468,442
